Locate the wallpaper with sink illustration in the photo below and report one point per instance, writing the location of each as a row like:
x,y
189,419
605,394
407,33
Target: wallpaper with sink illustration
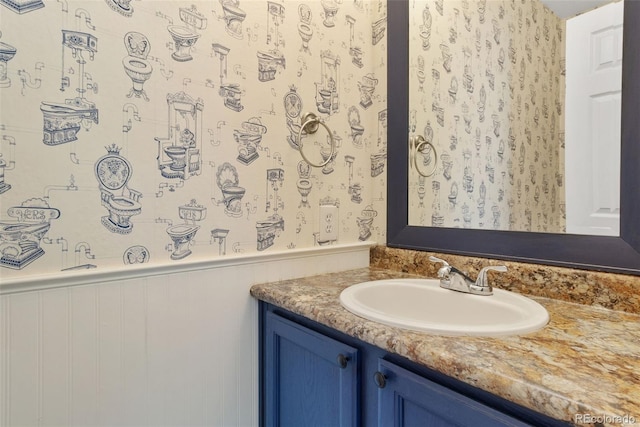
x,y
149,131
488,84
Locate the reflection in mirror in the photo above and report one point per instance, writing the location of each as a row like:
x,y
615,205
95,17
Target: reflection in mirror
x,y
510,149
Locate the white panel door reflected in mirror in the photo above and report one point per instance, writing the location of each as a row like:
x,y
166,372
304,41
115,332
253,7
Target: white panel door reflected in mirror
x,y
594,87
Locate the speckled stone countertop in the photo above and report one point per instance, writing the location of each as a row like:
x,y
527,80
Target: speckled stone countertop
x,y
585,361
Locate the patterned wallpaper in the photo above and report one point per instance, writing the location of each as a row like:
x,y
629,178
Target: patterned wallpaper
x,y
487,81
158,131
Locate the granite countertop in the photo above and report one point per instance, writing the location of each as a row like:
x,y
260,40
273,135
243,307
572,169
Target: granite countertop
x,y
585,361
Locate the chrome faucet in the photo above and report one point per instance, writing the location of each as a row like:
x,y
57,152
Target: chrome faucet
x,y
456,280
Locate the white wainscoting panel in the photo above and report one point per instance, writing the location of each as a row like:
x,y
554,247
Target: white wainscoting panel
x,y
171,349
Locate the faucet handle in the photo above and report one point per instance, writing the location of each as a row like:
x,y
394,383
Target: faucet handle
x,y
434,259
445,269
482,280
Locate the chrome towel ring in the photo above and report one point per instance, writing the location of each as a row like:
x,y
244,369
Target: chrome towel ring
x,y
310,124
416,145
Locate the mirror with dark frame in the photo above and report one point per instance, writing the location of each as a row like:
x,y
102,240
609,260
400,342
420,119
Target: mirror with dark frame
x,y
606,253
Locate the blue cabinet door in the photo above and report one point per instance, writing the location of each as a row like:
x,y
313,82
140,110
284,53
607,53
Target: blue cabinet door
x,y
409,400
310,379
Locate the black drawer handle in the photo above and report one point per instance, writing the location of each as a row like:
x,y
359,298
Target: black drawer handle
x,y
380,379
342,360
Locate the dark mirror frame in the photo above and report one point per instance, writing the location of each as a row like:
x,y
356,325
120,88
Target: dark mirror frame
x,y
611,254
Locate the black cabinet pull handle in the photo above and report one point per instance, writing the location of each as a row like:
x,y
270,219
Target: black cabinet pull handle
x,y
342,360
380,379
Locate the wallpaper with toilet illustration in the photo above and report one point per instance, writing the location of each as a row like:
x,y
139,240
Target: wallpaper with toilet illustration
x,y
138,132
487,81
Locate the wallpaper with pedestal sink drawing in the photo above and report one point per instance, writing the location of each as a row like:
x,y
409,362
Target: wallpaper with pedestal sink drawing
x,y
489,94
161,131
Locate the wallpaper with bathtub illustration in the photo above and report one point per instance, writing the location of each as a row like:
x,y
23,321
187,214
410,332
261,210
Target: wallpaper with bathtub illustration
x,y
489,96
149,131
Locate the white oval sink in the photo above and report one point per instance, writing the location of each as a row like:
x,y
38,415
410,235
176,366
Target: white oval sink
x,y
422,305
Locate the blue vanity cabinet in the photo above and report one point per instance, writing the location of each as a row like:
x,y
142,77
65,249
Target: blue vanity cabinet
x,y
309,378
313,375
407,400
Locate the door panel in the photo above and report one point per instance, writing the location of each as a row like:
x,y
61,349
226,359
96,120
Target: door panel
x,y
593,117
409,400
310,379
